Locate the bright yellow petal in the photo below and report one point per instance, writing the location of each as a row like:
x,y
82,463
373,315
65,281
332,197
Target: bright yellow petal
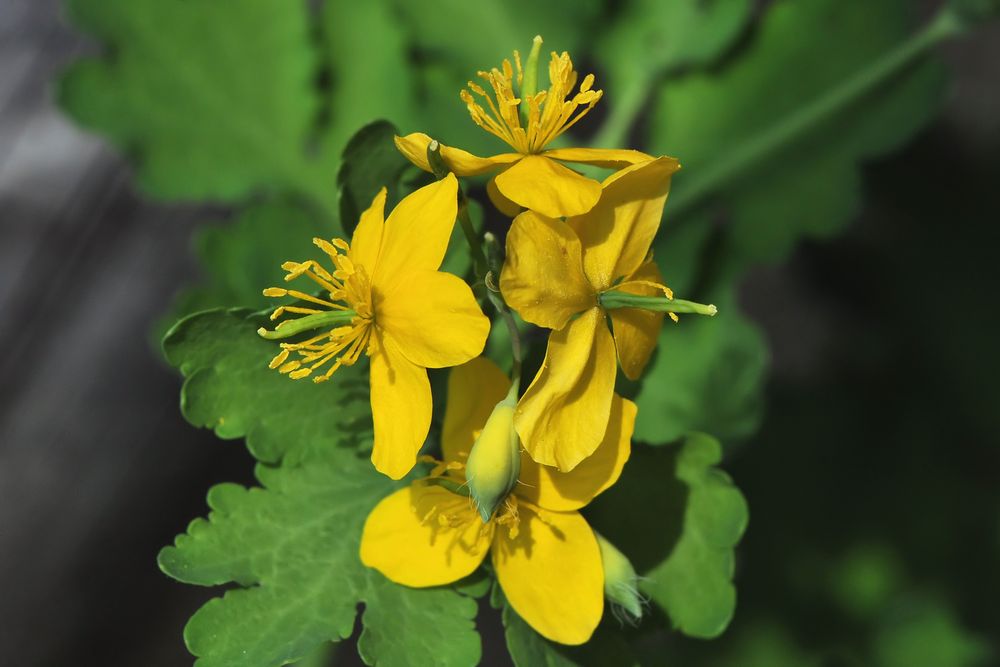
x,y
636,330
416,233
542,277
608,158
414,148
502,204
564,414
405,539
563,492
545,186
551,574
367,239
474,389
401,407
616,235
434,319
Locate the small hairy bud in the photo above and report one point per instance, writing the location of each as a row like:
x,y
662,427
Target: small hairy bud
x,y
620,582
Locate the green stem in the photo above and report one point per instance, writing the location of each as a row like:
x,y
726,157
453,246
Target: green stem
x,y
289,328
659,304
441,170
495,259
752,152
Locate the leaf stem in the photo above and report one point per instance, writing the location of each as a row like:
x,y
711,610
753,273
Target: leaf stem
x,y
947,23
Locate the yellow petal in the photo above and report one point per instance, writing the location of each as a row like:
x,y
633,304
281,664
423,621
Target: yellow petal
x,y
551,574
401,407
542,277
608,158
502,204
473,391
417,232
563,492
616,235
636,330
545,186
406,540
434,319
367,239
564,414
414,148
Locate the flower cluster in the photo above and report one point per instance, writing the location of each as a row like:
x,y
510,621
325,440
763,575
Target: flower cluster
x,y
515,467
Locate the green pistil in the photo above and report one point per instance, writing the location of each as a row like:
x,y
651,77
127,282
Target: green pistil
x,y
660,304
289,328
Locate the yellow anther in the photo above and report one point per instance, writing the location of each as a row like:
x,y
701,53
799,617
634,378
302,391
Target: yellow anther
x,y
278,359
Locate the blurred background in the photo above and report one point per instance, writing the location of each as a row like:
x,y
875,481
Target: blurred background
x,y
864,430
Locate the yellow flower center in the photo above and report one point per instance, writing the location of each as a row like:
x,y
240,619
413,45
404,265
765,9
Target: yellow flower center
x,y
452,517
549,112
349,289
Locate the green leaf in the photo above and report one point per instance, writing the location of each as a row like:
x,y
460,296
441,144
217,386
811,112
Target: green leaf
x,y
529,649
708,375
370,69
776,137
243,257
229,388
651,39
370,162
213,103
678,518
292,548
925,633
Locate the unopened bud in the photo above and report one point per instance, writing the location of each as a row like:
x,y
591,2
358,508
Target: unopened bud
x,y
495,460
620,582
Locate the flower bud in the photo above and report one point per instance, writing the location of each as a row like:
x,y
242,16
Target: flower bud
x,y
495,460
620,582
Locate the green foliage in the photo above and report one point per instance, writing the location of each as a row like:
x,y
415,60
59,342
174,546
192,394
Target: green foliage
x,y
229,388
292,547
777,135
242,257
707,375
211,103
653,39
370,163
678,518
529,649
922,633
223,103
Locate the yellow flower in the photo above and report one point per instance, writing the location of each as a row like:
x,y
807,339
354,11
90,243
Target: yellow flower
x,y
532,176
553,276
545,555
389,300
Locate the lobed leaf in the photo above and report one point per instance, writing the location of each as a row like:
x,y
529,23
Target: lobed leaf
x,y
229,388
678,518
212,103
292,548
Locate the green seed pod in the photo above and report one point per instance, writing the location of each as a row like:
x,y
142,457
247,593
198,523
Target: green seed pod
x,y
495,460
620,582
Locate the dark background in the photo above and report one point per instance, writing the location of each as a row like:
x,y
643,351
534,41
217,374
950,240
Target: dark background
x,y
882,433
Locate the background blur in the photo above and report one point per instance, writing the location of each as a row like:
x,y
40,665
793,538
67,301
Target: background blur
x,y
873,479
